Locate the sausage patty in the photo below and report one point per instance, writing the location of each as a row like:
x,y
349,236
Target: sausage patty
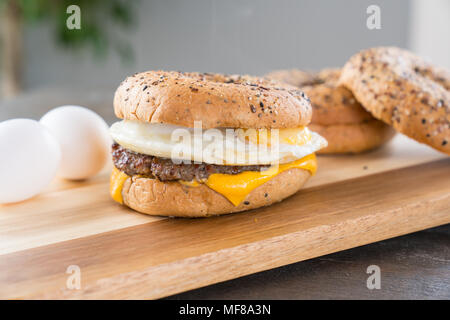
x,y
133,163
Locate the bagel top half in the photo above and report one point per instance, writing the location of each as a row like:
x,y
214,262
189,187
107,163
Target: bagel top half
x,y
216,100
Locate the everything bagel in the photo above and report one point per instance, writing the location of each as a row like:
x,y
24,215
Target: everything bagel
x,y
216,100
404,91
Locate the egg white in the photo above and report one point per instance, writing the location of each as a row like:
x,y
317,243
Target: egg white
x,y
215,146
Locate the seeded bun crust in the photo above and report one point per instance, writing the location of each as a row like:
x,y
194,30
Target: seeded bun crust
x,y
337,115
354,138
154,197
404,91
216,100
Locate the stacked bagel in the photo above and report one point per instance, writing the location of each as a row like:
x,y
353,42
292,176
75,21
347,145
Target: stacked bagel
x,y
337,115
379,90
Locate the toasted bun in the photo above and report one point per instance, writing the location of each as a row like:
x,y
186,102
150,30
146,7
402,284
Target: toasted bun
x,y
154,197
354,138
216,100
337,115
404,91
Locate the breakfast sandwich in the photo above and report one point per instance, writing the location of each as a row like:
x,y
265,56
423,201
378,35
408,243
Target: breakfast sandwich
x,y
195,145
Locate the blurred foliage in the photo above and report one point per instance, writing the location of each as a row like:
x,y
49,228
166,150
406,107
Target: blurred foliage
x,y
99,22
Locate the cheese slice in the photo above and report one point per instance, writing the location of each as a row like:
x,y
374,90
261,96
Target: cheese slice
x,y
116,182
193,183
234,187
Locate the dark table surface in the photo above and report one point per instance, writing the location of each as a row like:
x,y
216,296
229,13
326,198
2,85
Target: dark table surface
x,y
414,266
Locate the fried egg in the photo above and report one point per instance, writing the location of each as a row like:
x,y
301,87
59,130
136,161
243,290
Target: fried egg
x,y
221,146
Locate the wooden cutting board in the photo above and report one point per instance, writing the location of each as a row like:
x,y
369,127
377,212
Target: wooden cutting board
x,y
352,201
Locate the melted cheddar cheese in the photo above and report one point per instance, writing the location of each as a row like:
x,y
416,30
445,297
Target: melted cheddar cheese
x,y
116,184
193,183
234,187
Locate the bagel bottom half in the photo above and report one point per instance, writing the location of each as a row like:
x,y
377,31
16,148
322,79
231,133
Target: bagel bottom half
x,y
155,197
353,137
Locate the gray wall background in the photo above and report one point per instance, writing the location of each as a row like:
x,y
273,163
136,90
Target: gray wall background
x,y
232,36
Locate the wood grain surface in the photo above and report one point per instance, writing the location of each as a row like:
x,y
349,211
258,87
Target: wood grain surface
x,y
353,200
413,266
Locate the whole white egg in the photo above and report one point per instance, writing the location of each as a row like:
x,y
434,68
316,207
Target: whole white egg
x,y
29,159
84,139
